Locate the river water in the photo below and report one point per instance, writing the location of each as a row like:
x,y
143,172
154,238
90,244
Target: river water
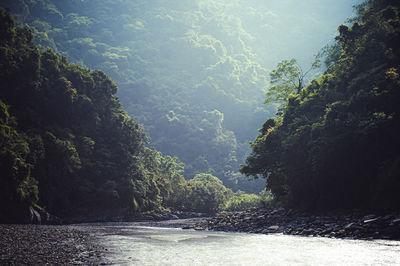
x,y
142,245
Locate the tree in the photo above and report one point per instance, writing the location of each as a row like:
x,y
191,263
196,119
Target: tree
x,y
206,193
287,79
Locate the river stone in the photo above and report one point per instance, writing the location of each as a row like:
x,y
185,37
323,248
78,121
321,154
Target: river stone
x,y
273,227
348,225
396,221
371,220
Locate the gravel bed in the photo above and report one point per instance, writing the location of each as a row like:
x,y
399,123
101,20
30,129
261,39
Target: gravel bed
x,y
49,245
65,244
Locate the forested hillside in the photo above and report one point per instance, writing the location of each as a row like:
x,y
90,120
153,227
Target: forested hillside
x,y
193,73
336,144
66,144
67,147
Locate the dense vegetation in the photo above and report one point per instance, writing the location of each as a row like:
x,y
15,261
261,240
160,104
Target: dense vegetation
x,y
146,49
68,146
66,143
336,144
193,73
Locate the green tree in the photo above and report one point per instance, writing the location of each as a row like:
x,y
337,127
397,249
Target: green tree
x,y
206,193
287,79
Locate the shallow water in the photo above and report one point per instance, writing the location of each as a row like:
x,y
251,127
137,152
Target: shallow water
x,y
139,245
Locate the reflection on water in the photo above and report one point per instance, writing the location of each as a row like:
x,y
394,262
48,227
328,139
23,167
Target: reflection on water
x,y
134,245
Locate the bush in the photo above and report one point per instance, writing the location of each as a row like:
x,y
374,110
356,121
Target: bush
x,y
241,201
206,193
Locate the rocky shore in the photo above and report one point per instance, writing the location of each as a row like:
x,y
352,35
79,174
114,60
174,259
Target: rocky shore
x,y
41,244
48,245
352,225
79,244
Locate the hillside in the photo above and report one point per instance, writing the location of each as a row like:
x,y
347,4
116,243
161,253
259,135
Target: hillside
x,y
336,143
193,73
66,144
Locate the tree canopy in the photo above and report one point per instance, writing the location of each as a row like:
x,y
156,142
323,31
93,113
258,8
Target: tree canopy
x,y
66,143
68,146
336,144
287,79
193,73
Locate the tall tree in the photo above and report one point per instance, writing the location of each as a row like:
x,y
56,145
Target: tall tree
x,y
287,79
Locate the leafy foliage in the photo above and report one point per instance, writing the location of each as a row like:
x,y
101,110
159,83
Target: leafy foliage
x,y
73,148
85,153
146,53
187,58
206,193
62,127
335,145
241,201
18,189
288,79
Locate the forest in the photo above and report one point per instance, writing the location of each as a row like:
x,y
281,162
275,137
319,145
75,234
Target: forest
x,y
192,73
103,113
68,147
336,142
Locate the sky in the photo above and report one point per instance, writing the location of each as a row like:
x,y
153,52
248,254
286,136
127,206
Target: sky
x,y
299,29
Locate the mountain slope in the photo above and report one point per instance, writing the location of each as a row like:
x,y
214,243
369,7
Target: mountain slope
x,y
336,144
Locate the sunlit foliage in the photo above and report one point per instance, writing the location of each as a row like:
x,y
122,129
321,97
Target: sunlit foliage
x,y
336,144
189,57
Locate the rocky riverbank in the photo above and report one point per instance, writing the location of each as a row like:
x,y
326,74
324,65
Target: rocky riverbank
x,y
48,245
353,225
35,244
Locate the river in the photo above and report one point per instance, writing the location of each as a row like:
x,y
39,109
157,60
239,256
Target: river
x,y
130,244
